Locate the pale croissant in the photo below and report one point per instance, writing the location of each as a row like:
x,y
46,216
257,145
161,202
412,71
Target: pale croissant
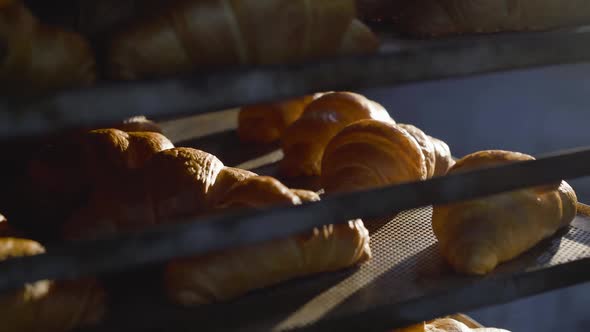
x,y
175,183
475,236
225,275
446,17
445,325
370,153
195,33
48,306
265,123
37,58
304,142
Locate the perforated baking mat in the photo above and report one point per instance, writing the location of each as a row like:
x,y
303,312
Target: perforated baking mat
x,y
406,266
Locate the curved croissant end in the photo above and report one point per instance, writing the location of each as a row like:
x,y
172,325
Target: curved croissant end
x,y
477,235
304,142
369,154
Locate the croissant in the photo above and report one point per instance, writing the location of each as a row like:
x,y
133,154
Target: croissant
x,y
48,306
228,274
371,153
475,236
175,183
445,325
445,17
266,123
60,178
304,142
38,58
196,33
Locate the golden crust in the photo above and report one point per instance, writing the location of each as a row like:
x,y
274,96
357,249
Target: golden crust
x,y
475,236
369,154
304,142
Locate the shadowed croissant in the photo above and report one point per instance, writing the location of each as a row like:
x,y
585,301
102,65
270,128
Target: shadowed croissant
x,y
445,325
194,33
475,236
37,58
48,306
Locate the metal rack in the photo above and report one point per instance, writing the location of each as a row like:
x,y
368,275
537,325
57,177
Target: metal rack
x,y
400,286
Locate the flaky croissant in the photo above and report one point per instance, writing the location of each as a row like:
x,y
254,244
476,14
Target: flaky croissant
x,y
371,153
231,273
48,306
175,183
265,123
197,33
475,236
445,17
304,142
436,152
37,58
445,325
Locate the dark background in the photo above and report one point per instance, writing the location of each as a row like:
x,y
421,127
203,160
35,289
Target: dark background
x,y
533,111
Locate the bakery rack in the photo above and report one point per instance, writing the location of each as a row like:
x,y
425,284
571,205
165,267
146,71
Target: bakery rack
x,y
406,282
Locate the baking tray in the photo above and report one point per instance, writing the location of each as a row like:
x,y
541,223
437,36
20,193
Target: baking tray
x,y
400,61
406,282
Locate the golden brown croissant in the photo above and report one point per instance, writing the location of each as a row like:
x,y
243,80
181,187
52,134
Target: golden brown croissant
x,y
38,58
475,236
370,153
231,273
265,123
48,306
197,33
175,183
304,141
436,152
445,17
445,325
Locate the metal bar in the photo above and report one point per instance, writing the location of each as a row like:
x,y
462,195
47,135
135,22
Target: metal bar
x,y
211,91
479,294
227,231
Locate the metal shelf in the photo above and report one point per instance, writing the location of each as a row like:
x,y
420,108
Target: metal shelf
x,y
400,62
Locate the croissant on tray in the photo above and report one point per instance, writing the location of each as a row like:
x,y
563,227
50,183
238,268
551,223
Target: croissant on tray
x,y
475,236
174,183
48,306
370,153
38,58
304,141
445,17
194,33
225,275
445,325
265,123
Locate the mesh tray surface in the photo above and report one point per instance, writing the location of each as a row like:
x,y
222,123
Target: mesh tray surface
x,y
406,265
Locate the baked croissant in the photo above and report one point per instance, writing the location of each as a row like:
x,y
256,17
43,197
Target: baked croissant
x,y
371,153
436,152
445,325
445,17
304,142
175,183
48,306
197,33
475,236
265,123
37,58
225,275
